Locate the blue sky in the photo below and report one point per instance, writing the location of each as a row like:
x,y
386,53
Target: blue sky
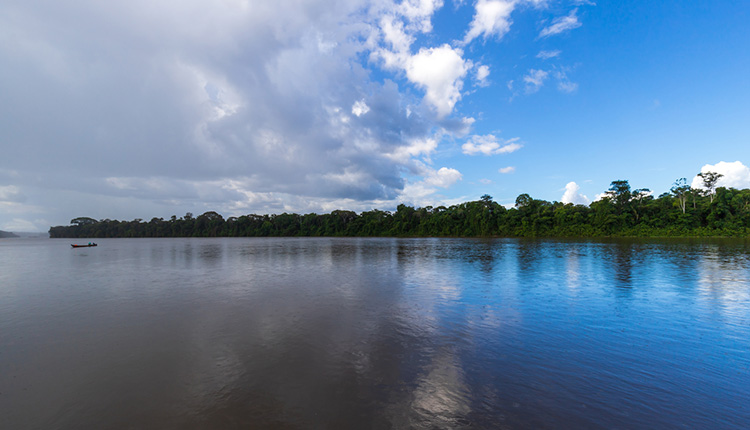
x,y
147,109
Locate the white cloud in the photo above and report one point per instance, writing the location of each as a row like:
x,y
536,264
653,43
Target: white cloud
x,y
423,146
567,86
490,145
482,73
507,170
534,80
537,3
736,175
561,24
325,46
463,127
491,18
440,72
11,193
545,55
400,42
563,82
271,105
256,89
572,195
420,12
443,177
422,193
360,108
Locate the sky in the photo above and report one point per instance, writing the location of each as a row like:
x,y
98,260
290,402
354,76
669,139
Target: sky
x,y
142,109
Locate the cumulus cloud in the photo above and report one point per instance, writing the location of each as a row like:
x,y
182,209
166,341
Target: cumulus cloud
x,y
490,145
561,24
419,12
735,175
572,195
423,146
491,18
210,94
443,177
507,170
422,193
398,43
144,110
440,72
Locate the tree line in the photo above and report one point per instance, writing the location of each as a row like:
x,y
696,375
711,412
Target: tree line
x,y
7,234
684,211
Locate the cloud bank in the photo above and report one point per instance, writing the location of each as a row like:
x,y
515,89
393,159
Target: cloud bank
x,y
160,107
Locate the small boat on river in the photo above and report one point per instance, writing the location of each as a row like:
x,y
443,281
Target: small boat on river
x,y
82,246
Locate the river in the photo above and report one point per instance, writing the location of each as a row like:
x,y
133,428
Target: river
x,y
306,333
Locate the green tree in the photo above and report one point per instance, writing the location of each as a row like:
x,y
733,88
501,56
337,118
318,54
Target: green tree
x,y
619,193
208,224
680,189
709,182
523,200
81,221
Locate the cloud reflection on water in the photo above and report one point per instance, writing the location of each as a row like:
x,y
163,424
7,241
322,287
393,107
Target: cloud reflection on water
x,y
395,333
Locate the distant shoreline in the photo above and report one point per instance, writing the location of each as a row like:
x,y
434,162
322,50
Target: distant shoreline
x,y
7,234
29,234
725,214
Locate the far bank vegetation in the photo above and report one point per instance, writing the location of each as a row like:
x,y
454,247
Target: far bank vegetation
x,y
622,212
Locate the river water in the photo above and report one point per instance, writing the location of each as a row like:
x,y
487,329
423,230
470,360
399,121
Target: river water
x,y
374,333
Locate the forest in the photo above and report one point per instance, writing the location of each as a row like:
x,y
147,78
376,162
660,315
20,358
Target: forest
x,y
622,212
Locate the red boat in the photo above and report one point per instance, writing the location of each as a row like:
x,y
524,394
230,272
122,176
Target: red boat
x,y
82,246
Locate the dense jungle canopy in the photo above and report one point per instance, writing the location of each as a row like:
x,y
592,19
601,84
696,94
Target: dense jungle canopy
x,y
683,211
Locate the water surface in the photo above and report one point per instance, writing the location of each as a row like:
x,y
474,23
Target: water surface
x,y
374,333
